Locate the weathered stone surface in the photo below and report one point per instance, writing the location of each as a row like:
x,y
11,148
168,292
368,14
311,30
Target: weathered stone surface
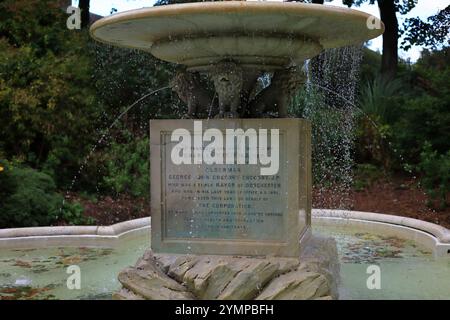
x,y
165,261
167,276
320,255
286,265
211,276
249,281
125,294
226,277
180,266
324,298
151,283
297,285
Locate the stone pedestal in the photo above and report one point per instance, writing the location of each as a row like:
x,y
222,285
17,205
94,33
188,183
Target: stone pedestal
x,y
314,275
229,229
239,203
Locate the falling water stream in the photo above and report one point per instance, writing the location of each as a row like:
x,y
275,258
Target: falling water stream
x,y
330,104
332,111
104,135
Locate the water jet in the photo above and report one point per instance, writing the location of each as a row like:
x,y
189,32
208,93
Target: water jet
x,y
247,249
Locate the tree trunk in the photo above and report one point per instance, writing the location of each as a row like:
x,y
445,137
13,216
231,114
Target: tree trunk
x,y
389,61
84,6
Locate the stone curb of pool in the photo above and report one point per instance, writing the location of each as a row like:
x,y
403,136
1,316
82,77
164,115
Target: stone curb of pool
x,y
433,236
430,235
72,236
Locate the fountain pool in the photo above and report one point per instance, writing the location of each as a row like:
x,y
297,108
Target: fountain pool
x,y
409,270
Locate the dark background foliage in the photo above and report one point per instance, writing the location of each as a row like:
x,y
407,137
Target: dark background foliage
x,y
61,94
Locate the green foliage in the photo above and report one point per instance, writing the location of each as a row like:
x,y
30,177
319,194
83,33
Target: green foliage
x,y
372,142
430,33
72,213
47,101
29,198
128,166
402,6
370,65
373,129
425,118
407,126
423,114
365,175
59,92
400,116
377,97
435,170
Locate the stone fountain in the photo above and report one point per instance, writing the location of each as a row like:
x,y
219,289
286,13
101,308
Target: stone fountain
x,y
223,230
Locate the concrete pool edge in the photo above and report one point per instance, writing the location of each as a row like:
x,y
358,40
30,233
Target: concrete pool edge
x,y
72,236
432,236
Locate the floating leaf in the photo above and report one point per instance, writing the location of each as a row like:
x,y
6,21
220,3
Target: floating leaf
x,y
23,264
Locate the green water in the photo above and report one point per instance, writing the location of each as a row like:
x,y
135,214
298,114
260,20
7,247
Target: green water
x,y
42,273
408,271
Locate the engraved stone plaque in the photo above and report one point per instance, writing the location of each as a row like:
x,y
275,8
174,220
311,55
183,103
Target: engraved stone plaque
x,y
230,186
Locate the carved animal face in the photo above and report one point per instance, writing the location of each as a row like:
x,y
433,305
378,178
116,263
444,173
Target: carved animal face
x,y
289,81
182,83
227,79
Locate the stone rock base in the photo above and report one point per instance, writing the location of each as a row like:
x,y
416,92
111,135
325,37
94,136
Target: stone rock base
x,y
314,275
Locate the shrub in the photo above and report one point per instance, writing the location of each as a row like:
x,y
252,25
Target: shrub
x,y
372,142
365,175
435,170
29,198
423,113
72,213
128,167
425,119
377,97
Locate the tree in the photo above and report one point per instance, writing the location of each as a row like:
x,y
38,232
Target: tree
x,y
388,14
389,60
85,15
48,106
430,34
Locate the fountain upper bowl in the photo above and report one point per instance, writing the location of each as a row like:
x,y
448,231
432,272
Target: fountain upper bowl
x,y
263,35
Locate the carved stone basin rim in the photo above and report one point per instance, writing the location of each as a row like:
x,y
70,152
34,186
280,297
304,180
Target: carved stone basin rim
x,y
265,34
